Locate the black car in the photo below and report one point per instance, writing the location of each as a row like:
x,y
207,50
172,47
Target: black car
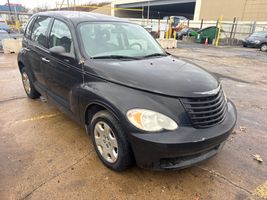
x,y
139,103
256,40
186,32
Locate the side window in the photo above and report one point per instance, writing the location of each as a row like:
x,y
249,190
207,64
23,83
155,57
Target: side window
x,y
61,36
28,30
39,30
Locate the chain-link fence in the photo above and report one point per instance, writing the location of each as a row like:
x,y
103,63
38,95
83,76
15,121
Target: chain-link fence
x,y
232,33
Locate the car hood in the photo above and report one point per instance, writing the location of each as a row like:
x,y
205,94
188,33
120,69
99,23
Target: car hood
x,y
163,75
253,38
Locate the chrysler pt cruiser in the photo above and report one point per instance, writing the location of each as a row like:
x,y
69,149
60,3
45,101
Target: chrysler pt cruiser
x,y
139,104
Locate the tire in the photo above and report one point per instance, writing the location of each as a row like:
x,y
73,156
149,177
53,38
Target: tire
x,y
245,45
264,47
118,159
28,85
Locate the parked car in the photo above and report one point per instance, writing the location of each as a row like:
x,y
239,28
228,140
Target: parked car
x,y
3,35
138,103
186,32
256,40
4,27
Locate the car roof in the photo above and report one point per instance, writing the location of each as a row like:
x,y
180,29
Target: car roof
x,y
79,16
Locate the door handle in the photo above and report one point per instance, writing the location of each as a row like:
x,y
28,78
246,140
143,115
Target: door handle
x,y
45,60
27,49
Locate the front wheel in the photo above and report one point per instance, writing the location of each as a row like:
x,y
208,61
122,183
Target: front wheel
x,y
110,142
264,47
28,85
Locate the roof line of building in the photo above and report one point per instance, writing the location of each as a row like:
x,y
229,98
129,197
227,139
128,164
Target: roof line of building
x,y
152,3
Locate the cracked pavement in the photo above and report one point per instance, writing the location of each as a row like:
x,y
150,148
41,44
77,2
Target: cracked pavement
x,y
45,155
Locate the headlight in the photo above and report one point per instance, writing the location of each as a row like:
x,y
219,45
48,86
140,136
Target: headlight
x,y
257,41
151,121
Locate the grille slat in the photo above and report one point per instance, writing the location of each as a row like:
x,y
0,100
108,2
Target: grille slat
x,y
206,102
206,111
209,121
207,107
211,116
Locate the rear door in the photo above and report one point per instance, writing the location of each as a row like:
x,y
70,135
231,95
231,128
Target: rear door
x,y
62,73
27,55
37,47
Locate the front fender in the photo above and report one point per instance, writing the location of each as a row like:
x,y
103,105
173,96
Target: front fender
x,y
119,99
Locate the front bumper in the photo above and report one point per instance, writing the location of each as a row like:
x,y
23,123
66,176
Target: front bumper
x,y
182,148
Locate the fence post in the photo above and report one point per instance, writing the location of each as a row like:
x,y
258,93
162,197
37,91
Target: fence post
x,y
232,29
235,29
201,24
219,32
252,27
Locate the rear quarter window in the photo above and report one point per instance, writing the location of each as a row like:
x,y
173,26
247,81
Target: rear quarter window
x,y
40,30
28,30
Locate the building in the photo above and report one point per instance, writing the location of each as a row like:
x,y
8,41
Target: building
x,y
244,10
12,12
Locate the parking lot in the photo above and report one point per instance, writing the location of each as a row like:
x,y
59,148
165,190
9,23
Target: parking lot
x,y
45,155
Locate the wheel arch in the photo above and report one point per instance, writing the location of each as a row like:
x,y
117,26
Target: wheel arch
x,y
92,108
263,44
20,65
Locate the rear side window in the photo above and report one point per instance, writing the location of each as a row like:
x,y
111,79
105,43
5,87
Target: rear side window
x,y
61,36
29,28
39,30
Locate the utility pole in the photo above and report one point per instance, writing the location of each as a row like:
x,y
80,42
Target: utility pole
x,y
10,13
148,10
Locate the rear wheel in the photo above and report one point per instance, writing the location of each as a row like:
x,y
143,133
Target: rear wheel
x,y
264,47
110,142
27,84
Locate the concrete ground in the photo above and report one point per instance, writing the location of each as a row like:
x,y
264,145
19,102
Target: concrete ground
x,y
45,155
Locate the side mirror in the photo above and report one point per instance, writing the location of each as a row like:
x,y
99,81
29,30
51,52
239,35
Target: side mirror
x,y
57,50
61,52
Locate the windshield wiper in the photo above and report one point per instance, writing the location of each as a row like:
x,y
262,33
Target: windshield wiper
x,y
115,57
155,55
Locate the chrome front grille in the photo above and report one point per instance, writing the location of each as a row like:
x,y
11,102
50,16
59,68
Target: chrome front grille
x,y
206,111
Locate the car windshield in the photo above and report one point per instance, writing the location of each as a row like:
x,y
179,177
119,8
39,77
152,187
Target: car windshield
x,y
259,34
117,39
